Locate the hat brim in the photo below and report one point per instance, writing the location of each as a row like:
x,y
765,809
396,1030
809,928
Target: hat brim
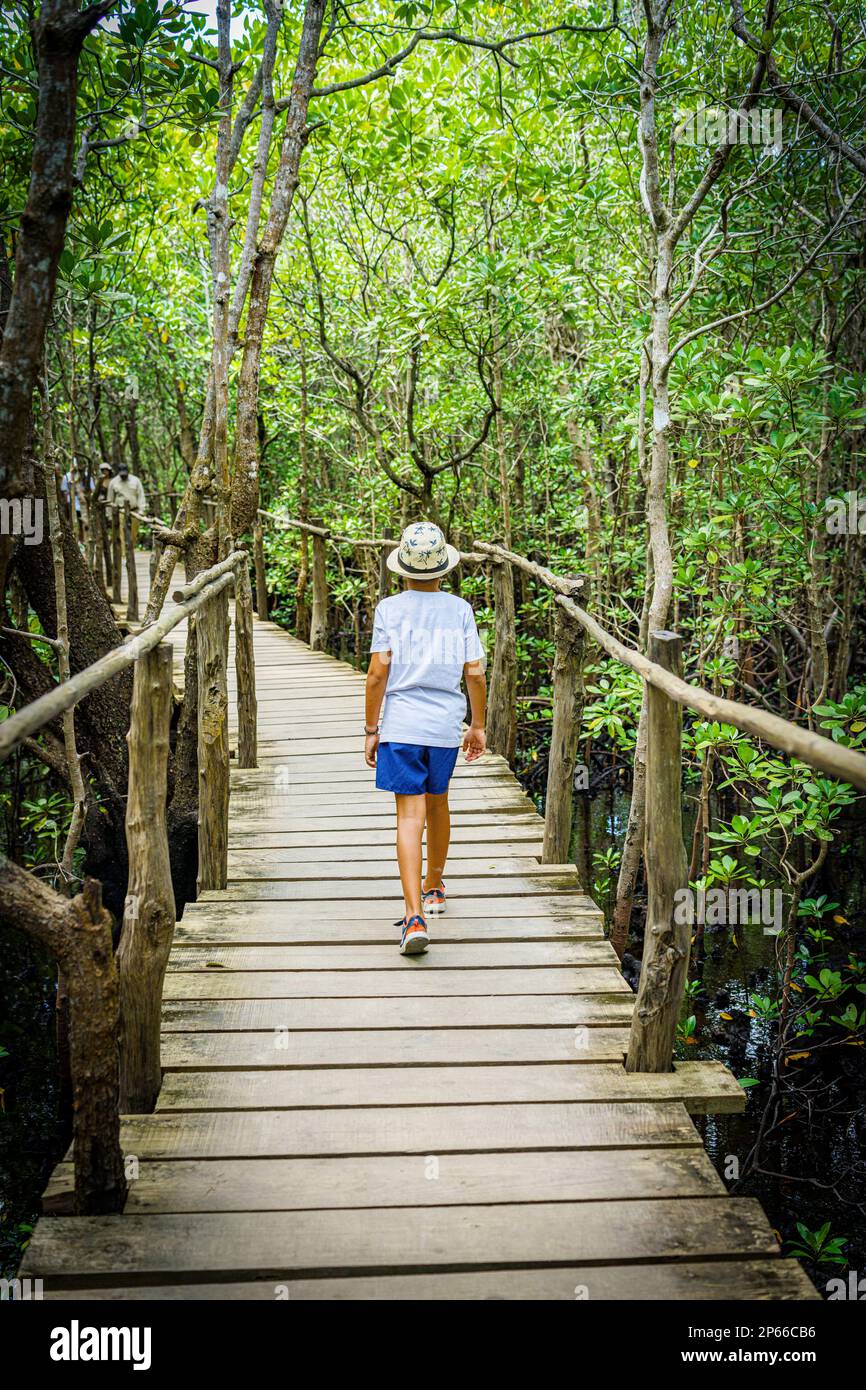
x,y
393,562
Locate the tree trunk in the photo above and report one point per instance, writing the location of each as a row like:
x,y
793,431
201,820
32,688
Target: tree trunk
x,y
245,483
245,670
77,931
567,705
148,919
261,576
319,618
58,35
668,930
213,743
131,572
502,708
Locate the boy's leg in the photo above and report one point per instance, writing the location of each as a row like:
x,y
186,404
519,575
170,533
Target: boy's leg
x,y
438,839
411,811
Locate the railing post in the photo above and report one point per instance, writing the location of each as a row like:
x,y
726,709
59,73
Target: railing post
x,y
131,573
213,743
245,669
667,938
156,549
97,528
502,708
261,577
384,572
319,619
567,708
149,911
116,557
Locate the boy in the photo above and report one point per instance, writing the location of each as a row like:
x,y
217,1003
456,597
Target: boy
x,y
423,642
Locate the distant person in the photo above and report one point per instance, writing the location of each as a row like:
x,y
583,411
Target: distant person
x,y
425,643
70,491
126,487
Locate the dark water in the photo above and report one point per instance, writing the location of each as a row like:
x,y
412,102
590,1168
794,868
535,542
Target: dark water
x,y
31,1137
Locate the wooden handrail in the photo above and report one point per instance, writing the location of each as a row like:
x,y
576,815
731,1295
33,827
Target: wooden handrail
x,y
36,715
373,542
205,577
536,571
814,749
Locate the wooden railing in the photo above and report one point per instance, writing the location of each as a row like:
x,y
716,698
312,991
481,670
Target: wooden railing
x,y
118,999
666,939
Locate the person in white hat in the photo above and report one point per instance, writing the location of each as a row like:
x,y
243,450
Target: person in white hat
x,y
424,643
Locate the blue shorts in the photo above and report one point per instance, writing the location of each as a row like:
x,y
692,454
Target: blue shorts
x,y
411,769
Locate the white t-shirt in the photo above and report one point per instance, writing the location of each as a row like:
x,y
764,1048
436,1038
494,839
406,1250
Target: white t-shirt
x,y
430,636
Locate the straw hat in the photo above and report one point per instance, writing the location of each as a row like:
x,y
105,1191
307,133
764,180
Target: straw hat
x,y
423,553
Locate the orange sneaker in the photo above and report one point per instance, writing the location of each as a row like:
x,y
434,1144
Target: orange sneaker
x,y
414,938
434,899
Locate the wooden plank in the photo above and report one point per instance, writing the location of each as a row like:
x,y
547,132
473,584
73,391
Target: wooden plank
x,y
349,932
453,1180
276,810
338,762
502,867
447,955
520,835
361,776
484,1011
70,1250
333,852
760,1280
284,1046
566,907
345,825
521,885
709,1087
415,1129
286,801
371,984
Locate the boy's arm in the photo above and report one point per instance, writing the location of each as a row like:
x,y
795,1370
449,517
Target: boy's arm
x,y
475,740
377,680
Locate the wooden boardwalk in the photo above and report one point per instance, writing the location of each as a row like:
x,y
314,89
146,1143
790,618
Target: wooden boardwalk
x,y
338,1121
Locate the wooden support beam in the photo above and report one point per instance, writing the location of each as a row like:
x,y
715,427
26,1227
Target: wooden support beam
x,y
319,620
245,670
116,557
384,572
668,933
502,706
567,709
212,636
149,910
261,577
131,573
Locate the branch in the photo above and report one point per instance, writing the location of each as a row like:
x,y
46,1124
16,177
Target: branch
x,y
789,96
774,298
497,47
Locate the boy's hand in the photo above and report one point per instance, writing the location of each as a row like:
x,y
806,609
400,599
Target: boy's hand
x,y
371,743
474,743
